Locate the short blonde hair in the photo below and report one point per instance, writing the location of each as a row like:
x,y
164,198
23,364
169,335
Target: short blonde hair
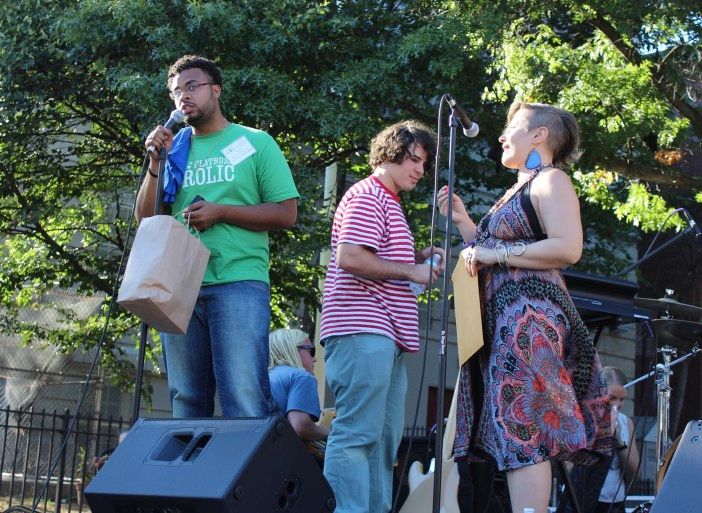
x,y
613,376
563,129
282,346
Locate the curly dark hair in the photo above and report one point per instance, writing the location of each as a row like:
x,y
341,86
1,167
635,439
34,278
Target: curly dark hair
x,y
196,61
392,144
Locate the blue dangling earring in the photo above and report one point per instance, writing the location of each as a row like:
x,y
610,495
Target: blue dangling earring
x,y
533,159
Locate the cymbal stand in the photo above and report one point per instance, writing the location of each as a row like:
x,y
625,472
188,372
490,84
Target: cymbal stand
x,y
662,373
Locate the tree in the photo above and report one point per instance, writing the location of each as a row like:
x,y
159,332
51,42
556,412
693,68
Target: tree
x,y
82,82
630,72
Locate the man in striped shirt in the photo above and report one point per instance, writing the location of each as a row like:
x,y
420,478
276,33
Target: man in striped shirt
x,y
370,318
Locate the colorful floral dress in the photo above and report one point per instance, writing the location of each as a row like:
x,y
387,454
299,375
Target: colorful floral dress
x,y
534,392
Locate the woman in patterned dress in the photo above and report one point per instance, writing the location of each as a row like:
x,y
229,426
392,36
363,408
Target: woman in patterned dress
x,y
535,391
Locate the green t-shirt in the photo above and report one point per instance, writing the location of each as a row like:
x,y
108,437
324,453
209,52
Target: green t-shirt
x,y
235,166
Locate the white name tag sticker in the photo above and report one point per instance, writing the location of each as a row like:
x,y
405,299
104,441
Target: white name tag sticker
x,y
238,151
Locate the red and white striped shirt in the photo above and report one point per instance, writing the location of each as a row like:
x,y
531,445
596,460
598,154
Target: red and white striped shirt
x,y
370,215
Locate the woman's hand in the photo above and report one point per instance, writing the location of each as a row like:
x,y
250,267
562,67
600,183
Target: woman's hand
x,y
477,257
459,215
458,209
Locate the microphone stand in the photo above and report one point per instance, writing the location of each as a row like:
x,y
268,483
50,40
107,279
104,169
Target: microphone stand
x,y
143,327
441,382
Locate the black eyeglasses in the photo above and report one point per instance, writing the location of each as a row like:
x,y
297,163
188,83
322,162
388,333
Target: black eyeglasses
x,y
187,88
309,347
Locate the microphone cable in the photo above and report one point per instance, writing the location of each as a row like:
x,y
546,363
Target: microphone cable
x,y
96,358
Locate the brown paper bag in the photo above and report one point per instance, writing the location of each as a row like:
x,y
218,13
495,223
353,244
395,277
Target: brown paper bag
x,y
469,324
163,274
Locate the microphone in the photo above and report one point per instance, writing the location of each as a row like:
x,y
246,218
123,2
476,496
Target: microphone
x,y
470,129
695,227
176,117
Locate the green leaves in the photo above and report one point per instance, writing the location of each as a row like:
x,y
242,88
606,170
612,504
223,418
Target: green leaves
x,y
594,62
83,82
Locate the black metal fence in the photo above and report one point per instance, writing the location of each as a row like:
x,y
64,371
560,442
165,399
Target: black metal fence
x,y
642,487
42,466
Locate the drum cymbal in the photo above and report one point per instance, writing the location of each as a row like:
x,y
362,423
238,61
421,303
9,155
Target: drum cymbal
x,y
678,333
668,306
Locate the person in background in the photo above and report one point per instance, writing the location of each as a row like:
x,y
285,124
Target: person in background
x,y
534,392
293,385
99,461
625,461
601,488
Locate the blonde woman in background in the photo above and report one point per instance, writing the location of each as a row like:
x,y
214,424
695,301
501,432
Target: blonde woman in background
x,y
625,463
602,488
293,386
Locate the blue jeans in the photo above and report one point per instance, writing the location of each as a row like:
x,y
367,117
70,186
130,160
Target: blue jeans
x,y
224,349
366,373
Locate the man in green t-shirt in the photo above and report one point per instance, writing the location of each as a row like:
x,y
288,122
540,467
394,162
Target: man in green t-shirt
x,y
234,185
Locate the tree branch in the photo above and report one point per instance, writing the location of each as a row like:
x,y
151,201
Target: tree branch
x,y
658,77
652,174
41,234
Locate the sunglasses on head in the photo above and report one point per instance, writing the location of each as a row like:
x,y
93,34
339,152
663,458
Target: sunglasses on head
x,y
309,347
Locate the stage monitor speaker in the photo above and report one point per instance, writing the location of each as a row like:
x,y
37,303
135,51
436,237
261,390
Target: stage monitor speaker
x,y
679,491
242,465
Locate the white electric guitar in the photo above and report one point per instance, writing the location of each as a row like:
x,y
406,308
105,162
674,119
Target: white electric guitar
x,y
469,334
421,494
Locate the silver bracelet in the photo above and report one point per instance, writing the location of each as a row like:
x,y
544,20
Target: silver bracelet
x,y
501,246
518,248
508,250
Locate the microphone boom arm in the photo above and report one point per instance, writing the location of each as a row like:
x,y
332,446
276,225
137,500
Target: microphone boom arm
x,y
654,252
